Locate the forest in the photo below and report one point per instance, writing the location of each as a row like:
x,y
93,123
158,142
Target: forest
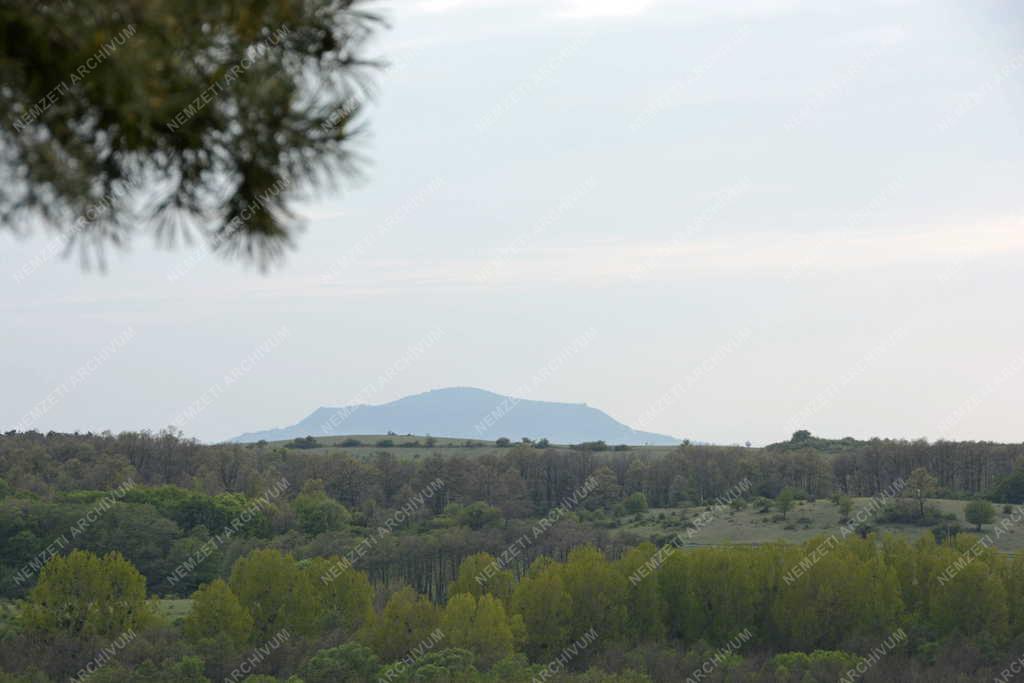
x,y
142,557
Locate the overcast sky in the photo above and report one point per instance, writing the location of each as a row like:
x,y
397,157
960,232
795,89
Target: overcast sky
x,y
717,219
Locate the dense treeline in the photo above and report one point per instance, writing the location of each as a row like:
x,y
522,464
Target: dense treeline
x,y
185,493
948,612
90,525
523,480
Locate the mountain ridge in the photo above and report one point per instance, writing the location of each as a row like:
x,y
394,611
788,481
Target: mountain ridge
x,y
469,413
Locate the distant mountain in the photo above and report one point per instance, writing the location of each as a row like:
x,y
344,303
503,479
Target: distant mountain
x,y
467,413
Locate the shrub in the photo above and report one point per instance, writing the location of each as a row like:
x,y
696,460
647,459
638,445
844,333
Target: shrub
x,y
636,502
944,532
979,512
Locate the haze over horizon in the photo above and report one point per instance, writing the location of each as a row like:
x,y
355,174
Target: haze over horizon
x,y
723,221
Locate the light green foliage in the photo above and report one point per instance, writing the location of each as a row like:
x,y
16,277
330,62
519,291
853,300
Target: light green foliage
x,y
479,625
216,613
1013,579
407,620
190,509
545,607
849,591
598,594
277,593
979,512
345,598
83,595
645,621
820,666
499,583
971,597
317,512
784,501
450,665
351,662
845,505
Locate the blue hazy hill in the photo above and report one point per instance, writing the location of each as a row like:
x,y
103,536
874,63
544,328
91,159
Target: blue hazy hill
x,y
459,411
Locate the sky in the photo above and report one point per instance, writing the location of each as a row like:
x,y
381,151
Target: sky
x,y
721,220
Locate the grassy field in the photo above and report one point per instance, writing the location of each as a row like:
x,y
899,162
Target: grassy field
x,y
805,521
173,609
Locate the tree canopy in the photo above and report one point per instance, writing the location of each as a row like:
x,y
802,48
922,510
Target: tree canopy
x,y
191,117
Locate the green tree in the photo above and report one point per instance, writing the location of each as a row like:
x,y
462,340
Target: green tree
x,y
451,665
545,606
920,486
863,596
479,625
974,600
260,102
317,512
351,662
1010,489
598,594
83,595
784,501
497,582
479,515
646,609
217,612
346,599
845,504
636,502
407,620
978,512
218,627
277,593
607,491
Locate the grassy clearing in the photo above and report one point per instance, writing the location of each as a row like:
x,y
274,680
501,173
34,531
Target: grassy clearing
x,y
805,521
173,609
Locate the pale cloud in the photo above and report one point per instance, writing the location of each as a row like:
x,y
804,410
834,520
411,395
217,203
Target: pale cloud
x,y
886,36
563,9
602,264
588,9
595,9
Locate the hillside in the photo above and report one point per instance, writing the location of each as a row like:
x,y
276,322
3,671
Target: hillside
x,y
467,413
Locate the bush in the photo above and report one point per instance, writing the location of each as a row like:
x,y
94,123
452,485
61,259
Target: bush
x,y
503,442
351,443
304,442
944,532
385,443
479,515
1010,489
979,512
636,502
348,662
906,512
